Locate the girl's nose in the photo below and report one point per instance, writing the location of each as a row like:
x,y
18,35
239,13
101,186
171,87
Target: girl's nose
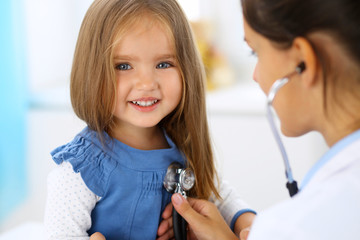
x,y
147,81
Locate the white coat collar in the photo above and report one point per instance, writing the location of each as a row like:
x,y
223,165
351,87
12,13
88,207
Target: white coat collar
x,y
342,155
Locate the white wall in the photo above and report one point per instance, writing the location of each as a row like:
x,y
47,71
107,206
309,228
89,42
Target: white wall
x,y
52,29
228,35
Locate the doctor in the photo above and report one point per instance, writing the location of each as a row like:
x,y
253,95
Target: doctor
x,y
325,97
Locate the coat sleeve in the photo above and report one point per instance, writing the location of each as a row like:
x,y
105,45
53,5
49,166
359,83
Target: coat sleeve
x,y
68,206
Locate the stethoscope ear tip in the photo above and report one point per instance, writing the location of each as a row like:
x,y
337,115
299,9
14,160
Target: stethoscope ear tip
x,y
300,68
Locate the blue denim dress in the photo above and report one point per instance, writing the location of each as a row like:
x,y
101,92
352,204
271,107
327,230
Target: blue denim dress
x,y
129,182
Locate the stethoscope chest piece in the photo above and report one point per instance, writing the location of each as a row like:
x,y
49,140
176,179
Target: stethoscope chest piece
x,y
179,180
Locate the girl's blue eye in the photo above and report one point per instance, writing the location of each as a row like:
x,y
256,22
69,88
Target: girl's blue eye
x,y
123,66
163,65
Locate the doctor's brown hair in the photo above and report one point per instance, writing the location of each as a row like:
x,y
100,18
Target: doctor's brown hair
x,y
281,21
93,83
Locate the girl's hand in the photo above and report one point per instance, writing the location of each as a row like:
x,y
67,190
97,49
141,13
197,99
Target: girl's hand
x,y
165,230
203,217
97,236
243,225
244,233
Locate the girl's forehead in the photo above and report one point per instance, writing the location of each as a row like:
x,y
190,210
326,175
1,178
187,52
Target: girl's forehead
x,y
138,26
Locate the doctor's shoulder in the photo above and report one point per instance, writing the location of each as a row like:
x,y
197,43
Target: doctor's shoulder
x,y
328,210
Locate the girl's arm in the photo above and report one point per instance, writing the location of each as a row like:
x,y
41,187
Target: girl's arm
x,y
234,210
69,205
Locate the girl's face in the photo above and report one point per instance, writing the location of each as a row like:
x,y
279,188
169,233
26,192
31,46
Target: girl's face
x,y
149,83
272,64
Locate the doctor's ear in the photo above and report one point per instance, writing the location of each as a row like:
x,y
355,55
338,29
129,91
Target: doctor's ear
x,y
308,65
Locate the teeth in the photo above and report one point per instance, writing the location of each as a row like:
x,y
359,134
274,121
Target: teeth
x,y
144,103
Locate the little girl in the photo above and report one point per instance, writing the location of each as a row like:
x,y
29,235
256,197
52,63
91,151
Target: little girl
x,y
138,83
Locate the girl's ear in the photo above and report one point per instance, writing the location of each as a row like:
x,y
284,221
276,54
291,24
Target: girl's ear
x,y
305,53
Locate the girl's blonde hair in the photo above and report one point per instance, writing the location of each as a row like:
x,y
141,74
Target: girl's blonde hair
x,y
93,82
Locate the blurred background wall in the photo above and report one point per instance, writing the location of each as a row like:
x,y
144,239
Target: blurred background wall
x,y
36,115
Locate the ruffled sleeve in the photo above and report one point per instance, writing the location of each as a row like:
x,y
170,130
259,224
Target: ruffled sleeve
x,y
88,159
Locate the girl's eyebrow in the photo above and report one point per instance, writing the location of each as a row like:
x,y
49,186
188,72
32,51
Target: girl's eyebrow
x,y
166,56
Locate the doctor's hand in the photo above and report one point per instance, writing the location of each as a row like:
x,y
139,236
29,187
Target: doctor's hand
x,y
204,219
166,231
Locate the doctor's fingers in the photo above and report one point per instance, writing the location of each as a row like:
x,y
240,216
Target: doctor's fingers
x,y
203,217
192,210
190,234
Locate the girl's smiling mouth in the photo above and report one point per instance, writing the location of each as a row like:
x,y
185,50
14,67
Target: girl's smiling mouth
x,y
145,104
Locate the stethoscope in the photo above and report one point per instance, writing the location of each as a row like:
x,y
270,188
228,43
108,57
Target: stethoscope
x,y
179,180
291,185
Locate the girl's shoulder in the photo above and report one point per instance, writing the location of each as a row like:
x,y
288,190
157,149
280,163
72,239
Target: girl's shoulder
x,y
87,156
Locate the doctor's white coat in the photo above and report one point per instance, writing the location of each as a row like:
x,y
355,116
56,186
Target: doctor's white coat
x,y
327,208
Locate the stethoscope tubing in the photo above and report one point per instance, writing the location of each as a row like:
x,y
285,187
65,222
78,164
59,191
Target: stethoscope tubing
x,y
179,226
280,144
291,184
